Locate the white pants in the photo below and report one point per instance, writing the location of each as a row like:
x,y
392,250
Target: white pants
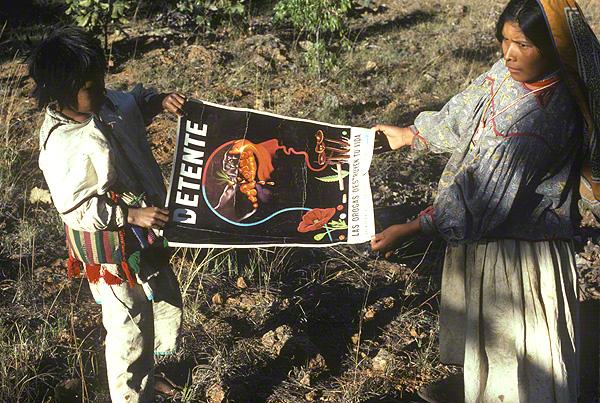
x,y
136,330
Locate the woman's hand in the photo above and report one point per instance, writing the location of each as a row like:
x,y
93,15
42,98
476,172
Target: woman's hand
x,y
148,217
390,238
173,103
397,137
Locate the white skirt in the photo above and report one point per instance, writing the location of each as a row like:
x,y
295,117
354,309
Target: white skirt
x,y
509,315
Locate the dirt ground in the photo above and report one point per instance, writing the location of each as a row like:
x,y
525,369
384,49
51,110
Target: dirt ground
x,y
265,325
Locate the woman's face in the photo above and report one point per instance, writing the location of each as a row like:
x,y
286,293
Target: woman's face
x,y
523,59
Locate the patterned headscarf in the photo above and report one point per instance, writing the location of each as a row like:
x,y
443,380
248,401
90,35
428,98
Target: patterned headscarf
x,y
579,51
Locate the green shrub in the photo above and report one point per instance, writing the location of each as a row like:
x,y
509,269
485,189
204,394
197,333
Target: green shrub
x,y
99,16
316,20
314,17
208,14
317,57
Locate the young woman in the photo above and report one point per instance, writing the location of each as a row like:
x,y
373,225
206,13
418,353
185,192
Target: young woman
x,y
507,206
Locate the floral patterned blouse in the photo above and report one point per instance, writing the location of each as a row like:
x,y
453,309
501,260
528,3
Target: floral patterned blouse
x,y
516,151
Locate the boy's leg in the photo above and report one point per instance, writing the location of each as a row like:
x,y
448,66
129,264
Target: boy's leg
x,y
167,325
128,319
167,313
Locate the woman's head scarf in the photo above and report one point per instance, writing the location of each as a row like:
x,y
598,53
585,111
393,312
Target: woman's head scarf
x,y
579,51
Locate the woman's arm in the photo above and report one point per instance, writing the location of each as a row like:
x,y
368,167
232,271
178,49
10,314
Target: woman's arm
x,y
397,137
441,131
482,194
390,238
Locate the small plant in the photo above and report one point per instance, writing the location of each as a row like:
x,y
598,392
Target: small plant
x,y
99,16
315,19
208,14
317,57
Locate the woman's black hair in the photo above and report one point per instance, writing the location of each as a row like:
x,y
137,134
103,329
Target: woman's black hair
x,y
62,63
529,15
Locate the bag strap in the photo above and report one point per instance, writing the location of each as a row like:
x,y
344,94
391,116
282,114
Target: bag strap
x,y
108,131
56,126
84,200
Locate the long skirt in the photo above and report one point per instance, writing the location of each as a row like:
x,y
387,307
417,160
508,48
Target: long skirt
x,y
509,315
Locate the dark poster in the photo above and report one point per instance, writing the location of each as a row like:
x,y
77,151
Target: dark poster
x,y
244,178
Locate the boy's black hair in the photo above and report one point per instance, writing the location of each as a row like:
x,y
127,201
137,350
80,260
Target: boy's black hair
x,y
529,15
62,63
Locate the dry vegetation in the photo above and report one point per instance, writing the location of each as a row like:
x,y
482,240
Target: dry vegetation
x,y
276,325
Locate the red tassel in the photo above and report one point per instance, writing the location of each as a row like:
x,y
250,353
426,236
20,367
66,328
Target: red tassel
x,y
127,271
92,271
124,264
74,267
111,279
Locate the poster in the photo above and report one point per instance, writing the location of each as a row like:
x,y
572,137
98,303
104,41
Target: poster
x,y
243,178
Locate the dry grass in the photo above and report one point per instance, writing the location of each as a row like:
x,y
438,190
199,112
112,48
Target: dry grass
x,y
333,325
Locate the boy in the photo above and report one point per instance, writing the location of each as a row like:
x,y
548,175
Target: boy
x,y
104,180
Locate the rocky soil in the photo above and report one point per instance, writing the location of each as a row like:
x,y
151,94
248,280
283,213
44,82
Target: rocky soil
x,y
265,325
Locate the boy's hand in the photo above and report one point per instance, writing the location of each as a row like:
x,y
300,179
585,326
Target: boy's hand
x,y
388,240
397,137
148,217
173,103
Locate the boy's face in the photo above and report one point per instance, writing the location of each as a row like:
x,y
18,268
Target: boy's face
x,y
91,96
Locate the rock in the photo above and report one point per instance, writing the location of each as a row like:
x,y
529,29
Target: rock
x,y
328,396
317,363
382,361
305,379
373,310
299,349
306,45
274,340
312,395
198,54
65,337
241,283
370,313
389,302
217,299
371,66
248,302
215,394
265,50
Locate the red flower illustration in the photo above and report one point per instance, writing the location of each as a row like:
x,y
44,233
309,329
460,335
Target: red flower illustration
x,y
315,219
